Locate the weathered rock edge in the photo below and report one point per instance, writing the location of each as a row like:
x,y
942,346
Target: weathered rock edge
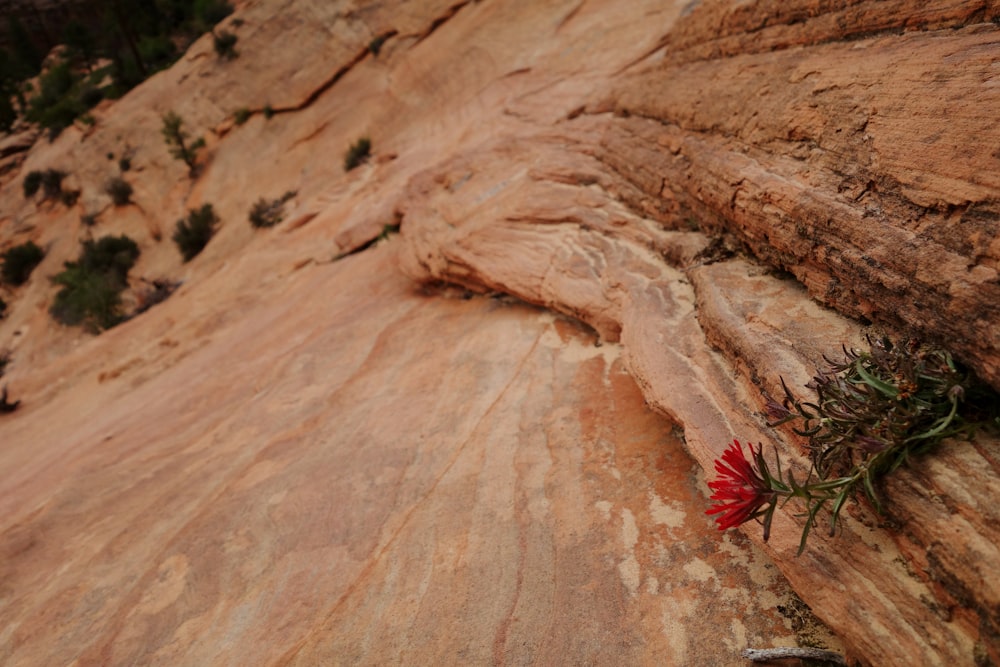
x,y
706,340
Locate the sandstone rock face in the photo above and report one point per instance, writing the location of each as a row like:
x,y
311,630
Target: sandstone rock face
x,y
308,456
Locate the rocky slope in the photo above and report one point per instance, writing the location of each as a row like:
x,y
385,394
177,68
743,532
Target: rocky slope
x,y
302,457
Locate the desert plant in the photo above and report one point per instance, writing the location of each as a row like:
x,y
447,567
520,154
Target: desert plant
x,y
357,153
269,212
375,45
32,181
193,234
874,412
119,190
124,164
225,44
4,354
92,285
176,138
241,115
19,262
268,112
52,183
69,197
88,219
3,308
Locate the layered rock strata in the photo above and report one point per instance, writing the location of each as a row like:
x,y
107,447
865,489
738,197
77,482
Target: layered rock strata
x,y
727,192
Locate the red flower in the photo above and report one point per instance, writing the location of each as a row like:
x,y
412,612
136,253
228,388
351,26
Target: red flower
x,y
741,490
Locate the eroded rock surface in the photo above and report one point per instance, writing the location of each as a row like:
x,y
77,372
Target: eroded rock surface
x,y
302,457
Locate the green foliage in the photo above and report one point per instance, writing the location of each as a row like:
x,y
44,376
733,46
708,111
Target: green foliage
x,y
90,96
269,212
19,262
225,44
32,181
210,12
92,285
157,51
63,97
58,102
268,112
357,153
241,116
176,137
193,234
88,219
875,411
69,197
3,310
375,45
52,183
81,42
119,190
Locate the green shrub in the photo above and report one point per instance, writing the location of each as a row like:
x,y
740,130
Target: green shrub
x,y
91,96
225,44
269,212
357,153
176,138
3,308
124,164
192,235
69,197
58,103
375,45
268,112
92,285
210,12
19,262
49,181
52,183
31,183
88,219
241,116
119,190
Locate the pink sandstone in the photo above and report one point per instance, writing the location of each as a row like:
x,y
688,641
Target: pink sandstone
x,y
311,457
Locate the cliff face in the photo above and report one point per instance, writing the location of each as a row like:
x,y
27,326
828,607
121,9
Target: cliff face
x,y
315,454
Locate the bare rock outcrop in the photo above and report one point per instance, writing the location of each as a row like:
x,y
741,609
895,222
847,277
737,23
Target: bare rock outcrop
x,y
331,459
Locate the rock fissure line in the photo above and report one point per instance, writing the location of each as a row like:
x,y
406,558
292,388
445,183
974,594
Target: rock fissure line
x,y
372,563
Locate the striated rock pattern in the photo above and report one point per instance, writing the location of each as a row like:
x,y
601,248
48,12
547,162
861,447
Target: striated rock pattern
x,y
310,456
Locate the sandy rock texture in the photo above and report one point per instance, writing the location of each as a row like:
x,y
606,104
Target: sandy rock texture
x,y
325,450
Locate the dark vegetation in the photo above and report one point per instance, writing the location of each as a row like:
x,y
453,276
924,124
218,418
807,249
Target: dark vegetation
x,y
357,153
119,190
32,181
137,38
49,181
241,116
177,140
19,262
375,45
269,212
92,285
225,44
52,183
193,234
